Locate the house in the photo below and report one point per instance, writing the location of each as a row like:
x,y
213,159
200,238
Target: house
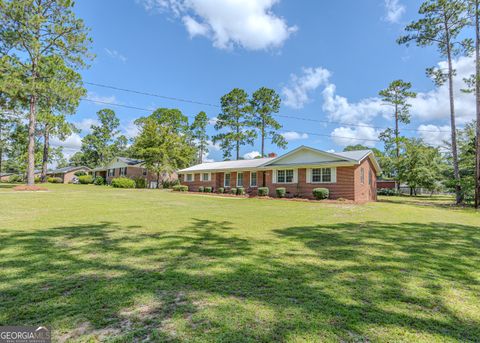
x,y
131,168
4,177
350,175
67,174
386,184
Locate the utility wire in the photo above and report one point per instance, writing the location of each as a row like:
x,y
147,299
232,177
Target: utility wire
x,y
275,114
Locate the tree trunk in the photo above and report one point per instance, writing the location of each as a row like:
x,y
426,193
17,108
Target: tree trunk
x,y
158,180
477,95
46,147
263,138
397,147
1,148
456,172
31,141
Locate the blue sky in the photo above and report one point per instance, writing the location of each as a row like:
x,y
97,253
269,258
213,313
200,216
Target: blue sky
x,y
327,59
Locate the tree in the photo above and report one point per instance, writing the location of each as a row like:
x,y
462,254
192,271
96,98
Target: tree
x,y
163,143
77,159
236,118
264,103
8,121
441,24
35,34
199,134
357,147
104,142
420,165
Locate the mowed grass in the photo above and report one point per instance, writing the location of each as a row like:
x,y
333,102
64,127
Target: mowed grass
x,y
101,264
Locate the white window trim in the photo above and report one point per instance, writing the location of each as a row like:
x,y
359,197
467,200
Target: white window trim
x,y
333,173
243,179
209,177
225,179
186,177
294,179
256,179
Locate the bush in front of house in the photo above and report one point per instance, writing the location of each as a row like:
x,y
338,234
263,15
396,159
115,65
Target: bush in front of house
x,y
233,191
180,188
220,190
263,191
14,178
99,181
387,191
37,179
208,190
54,180
321,193
167,184
281,191
85,179
140,182
240,191
201,189
123,182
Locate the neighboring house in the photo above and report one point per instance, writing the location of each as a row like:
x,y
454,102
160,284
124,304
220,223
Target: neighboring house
x,y
5,176
67,174
350,175
131,168
386,184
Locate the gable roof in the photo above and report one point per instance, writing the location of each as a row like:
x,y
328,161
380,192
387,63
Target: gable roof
x,y
66,170
347,157
227,165
129,161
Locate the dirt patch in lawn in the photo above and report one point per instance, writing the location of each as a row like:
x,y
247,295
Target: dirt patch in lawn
x,y
25,188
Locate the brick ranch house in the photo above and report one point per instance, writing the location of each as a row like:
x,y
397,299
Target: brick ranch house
x,y
130,168
67,174
350,175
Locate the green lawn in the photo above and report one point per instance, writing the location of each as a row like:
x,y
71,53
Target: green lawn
x,y
101,264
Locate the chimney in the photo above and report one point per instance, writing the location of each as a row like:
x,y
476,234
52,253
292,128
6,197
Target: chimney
x,y
272,154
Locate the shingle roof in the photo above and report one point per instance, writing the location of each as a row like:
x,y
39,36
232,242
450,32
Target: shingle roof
x,y
129,161
66,170
226,165
357,155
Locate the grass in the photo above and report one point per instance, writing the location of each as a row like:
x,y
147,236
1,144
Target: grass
x,y
103,264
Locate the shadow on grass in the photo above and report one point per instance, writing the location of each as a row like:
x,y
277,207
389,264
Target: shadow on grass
x,y
423,200
331,281
6,185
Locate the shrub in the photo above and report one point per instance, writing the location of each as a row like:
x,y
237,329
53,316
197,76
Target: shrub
x,y
387,191
263,191
85,179
14,178
281,191
240,191
123,182
321,193
201,188
98,181
180,188
233,191
208,189
80,173
37,179
166,184
220,190
54,180
140,182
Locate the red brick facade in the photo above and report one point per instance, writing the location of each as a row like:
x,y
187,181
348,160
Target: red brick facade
x,y
350,184
132,173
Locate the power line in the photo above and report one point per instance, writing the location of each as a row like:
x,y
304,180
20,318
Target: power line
x,y
275,114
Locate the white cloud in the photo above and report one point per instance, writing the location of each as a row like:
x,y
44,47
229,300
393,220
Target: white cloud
x,y
293,135
101,99
116,55
394,11
434,105
344,136
131,130
296,95
435,135
251,155
250,24
85,124
213,120
71,145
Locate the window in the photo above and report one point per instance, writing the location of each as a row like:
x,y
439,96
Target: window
x,y
321,175
239,179
206,177
188,177
285,176
226,182
370,177
253,179
362,175
123,171
144,172
111,172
